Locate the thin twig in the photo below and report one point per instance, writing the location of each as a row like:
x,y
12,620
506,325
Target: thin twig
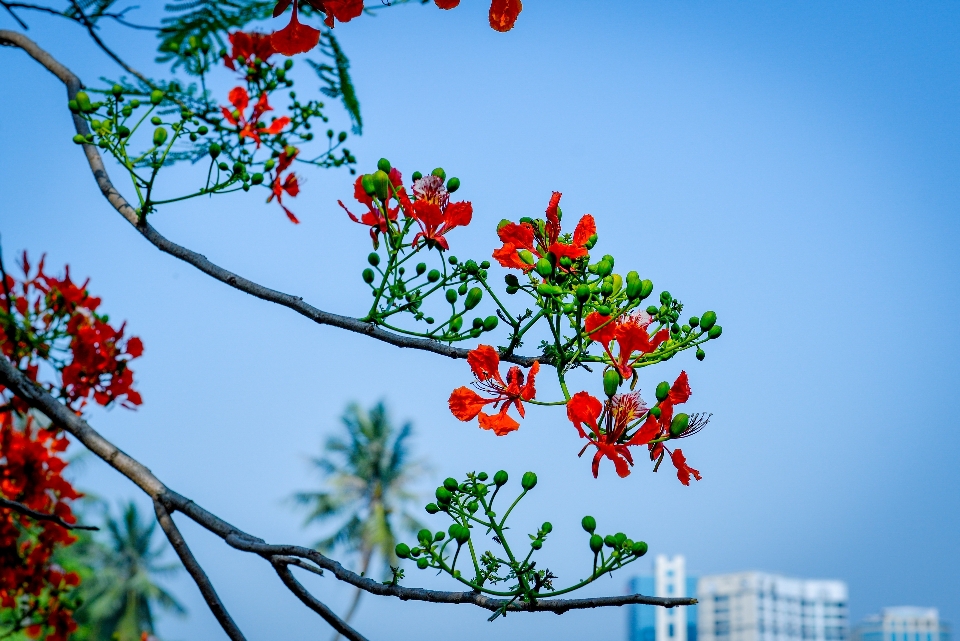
x,y
42,516
199,576
313,603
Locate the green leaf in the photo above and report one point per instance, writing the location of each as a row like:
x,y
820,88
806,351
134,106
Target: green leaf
x,y
337,78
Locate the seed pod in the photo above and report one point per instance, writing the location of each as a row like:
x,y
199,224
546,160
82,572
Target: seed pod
x,y
402,550
443,495
368,275
79,139
528,481
432,508
589,524
701,354
544,268
473,298
536,544
453,184
214,150
490,323
451,484
679,424
639,548
421,267
603,310
373,258
156,97
546,289
83,101
381,184
159,136
425,536
456,324
383,165
434,275
440,173
714,332
451,295
423,563
257,178
500,478
596,543
526,256
708,320
611,381
662,390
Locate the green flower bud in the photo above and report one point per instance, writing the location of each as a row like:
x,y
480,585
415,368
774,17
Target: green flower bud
x,y
500,478
473,506
569,308
425,536
546,289
443,495
451,484
369,187
603,310
606,288
79,139
452,260
117,90
202,130
368,275
257,178
156,97
708,320
646,288
453,184
373,258
604,268
73,106
439,536
159,136
666,298
490,323
463,535
416,175
543,267
288,64
451,295
694,321
511,280
483,476
611,381
421,267
473,298
214,150
546,528
383,165
589,524
655,411
381,184
675,328
342,136
619,538
679,424
701,354
485,264
402,550
652,310
434,275
423,563
596,543
440,173
583,293
536,544
83,101
526,256
639,548
591,242
609,541
714,332
432,508
662,390
565,262
456,324
528,481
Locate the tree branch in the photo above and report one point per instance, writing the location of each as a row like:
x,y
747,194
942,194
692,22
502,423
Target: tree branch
x,y
199,576
311,602
296,303
42,516
41,400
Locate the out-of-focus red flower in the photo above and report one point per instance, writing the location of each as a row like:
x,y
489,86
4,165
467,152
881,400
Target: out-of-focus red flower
x,y
447,4
503,14
466,404
251,127
374,217
630,333
249,46
296,37
434,212
281,185
537,241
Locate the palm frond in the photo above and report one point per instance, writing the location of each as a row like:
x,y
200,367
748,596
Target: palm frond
x,y
336,78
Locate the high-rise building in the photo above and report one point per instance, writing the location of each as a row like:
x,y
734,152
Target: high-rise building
x,y
753,606
904,623
652,623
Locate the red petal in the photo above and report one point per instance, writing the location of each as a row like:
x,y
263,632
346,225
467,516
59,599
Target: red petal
x,y
585,229
458,214
276,126
500,423
680,391
603,335
520,235
503,14
570,251
238,98
508,257
428,213
649,431
134,347
447,4
584,409
281,7
465,404
683,470
344,10
553,221
484,361
529,391
295,37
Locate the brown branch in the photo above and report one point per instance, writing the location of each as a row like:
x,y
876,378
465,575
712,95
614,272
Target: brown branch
x,y
313,603
199,261
40,399
42,516
199,576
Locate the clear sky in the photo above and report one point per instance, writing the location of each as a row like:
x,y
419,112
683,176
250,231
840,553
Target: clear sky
x,y
794,166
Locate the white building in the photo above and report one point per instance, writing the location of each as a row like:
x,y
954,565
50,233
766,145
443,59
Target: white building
x,y
652,623
904,623
753,606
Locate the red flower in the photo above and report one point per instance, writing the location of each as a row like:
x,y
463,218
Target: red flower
x,y
466,404
619,412
503,14
631,334
251,127
290,184
541,240
434,212
295,37
374,217
447,4
654,426
684,471
248,46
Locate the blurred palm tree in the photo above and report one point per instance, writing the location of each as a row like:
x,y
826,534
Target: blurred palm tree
x,y
120,596
368,473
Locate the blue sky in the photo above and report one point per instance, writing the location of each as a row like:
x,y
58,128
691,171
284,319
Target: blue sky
x,y
793,166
